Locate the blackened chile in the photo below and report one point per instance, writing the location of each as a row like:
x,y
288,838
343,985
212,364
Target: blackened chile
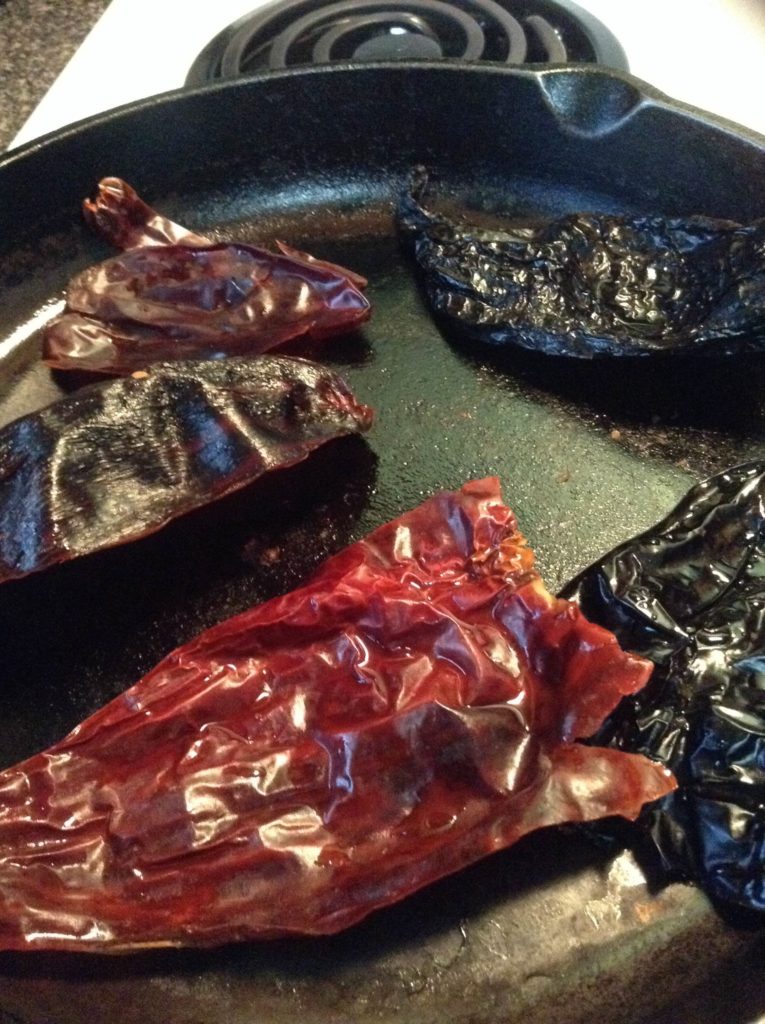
x,y
594,284
117,460
689,594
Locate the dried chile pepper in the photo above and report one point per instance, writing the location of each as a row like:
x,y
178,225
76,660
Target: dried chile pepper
x,y
689,594
591,284
410,709
121,217
176,295
117,460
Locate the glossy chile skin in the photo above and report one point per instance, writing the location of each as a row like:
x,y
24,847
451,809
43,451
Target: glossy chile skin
x,y
119,459
176,295
409,710
591,284
690,595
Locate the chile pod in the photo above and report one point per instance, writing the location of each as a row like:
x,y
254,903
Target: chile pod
x,y
412,708
119,459
173,294
689,594
593,284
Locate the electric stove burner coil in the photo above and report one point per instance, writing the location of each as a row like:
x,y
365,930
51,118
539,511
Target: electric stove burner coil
x,y
293,33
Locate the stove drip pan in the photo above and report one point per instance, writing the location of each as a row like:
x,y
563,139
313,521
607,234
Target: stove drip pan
x,y
293,33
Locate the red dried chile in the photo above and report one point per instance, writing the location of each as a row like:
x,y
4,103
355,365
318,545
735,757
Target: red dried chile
x,y
176,295
411,709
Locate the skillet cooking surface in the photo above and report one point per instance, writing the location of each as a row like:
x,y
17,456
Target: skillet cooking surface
x,y
588,455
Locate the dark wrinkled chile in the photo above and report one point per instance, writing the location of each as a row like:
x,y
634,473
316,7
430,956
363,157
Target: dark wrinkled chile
x,y
119,459
410,709
690,595
176,295
591,284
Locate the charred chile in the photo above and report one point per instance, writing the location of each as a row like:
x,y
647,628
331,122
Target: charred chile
x,y
690,595
119,459
590,285
409,710
176,295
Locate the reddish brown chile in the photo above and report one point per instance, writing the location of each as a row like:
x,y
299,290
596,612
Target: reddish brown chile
x,y
412,708
173,294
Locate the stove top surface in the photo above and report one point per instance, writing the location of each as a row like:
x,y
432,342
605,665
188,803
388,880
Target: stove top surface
x,y
293,33
705,52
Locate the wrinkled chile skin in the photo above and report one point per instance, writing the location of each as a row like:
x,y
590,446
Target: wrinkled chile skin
x,y
689,594
591,285
409,710
176,295
117,460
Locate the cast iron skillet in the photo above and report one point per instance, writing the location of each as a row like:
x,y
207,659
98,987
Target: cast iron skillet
x,y
554,929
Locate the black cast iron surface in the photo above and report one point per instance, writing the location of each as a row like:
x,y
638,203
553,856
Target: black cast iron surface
x,y
555,929
293,33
